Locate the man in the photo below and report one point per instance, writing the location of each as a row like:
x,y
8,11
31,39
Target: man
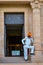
x,y
27,41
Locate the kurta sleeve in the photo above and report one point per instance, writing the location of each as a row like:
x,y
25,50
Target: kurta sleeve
x,y
23,40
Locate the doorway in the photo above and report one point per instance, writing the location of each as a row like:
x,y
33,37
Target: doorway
x,y
13,34
14,45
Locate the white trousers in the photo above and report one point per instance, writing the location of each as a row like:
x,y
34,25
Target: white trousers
x,y
26,51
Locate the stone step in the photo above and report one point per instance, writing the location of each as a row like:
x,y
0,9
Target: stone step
x,y
36,59
21,63
13,60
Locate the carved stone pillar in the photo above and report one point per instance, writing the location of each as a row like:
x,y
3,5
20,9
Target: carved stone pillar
x,y
36,22
36,31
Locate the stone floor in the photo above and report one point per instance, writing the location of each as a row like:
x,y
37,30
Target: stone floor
x,y
21,63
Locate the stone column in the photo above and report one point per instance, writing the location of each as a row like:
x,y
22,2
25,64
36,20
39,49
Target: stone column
x,y
36,22
36,30
1,34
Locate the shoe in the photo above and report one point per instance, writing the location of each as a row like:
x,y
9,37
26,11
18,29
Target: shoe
x,y
32,53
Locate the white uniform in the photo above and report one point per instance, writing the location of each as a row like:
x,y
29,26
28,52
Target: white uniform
x,y
27,44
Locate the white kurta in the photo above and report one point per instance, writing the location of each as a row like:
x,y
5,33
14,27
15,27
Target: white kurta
x,y
27,44
27,41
